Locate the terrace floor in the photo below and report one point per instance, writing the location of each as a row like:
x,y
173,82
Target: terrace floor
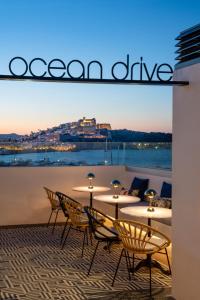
x,y
33,266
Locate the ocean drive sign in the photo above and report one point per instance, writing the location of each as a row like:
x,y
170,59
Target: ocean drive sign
x,y
121,72
57,68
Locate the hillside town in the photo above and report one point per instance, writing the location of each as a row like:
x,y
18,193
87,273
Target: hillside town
x,y
84,134
82,130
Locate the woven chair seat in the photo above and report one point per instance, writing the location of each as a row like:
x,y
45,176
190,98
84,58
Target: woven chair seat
x,y
155,240
103,233
83,220
159,243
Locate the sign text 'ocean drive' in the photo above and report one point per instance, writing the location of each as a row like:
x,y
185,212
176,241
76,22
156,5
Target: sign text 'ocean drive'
x,y
76,69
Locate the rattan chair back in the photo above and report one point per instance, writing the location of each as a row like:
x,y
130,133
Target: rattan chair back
x,y
97,221
63,199
140,238
53,199
75,212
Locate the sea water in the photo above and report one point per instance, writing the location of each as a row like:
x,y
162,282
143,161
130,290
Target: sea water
x,y
147,158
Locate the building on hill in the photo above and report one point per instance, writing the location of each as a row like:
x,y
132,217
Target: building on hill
x,y
87,122
104,126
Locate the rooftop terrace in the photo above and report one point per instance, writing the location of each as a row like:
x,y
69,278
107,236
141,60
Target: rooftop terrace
x,y
33,266
32,263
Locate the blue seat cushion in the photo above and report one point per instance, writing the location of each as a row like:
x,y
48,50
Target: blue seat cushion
x,y
139,184
166,190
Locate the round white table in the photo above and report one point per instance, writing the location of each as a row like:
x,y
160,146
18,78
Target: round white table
x,y
94,189
142,212
121,199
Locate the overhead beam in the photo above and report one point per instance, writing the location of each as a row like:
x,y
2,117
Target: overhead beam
x,y
93,81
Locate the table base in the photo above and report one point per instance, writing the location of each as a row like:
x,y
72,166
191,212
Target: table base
x,y
91,199
154,264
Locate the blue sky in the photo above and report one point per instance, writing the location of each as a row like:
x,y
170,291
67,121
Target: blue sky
x,y
106,30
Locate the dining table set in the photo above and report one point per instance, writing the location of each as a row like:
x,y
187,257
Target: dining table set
x,y
136,241
116,199
106,198
139,211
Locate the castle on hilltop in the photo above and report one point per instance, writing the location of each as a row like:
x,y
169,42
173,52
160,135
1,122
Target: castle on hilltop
x,y
87,129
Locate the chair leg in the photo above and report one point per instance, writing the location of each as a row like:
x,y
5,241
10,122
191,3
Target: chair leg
x,y
55,221
108,247
83,245
93,258
66,236
133,263
90,234
87,236
150,289
129,260
49,218
117,266
170,271
63,231
127,264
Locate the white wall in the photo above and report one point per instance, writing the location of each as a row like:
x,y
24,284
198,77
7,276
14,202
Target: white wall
x,y
186,185
23,200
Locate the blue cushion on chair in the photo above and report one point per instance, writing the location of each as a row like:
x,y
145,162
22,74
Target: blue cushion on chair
x,y
166,190
139,184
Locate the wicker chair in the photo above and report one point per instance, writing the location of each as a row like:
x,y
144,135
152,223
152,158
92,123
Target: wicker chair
x,y
63,198
138,238
101,231
55,205
78,220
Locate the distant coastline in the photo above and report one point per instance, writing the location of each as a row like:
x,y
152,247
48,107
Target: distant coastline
x,y
79,146
154,157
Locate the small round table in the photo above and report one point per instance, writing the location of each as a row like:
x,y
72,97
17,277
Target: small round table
x,y
94,189
142,212
121,199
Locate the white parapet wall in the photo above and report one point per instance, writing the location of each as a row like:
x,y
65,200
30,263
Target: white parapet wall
x,y
22,197
23,200
186,184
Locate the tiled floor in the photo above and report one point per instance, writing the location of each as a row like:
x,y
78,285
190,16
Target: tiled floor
x,y
32,266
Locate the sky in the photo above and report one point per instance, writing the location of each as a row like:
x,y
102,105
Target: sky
x,y
103,30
